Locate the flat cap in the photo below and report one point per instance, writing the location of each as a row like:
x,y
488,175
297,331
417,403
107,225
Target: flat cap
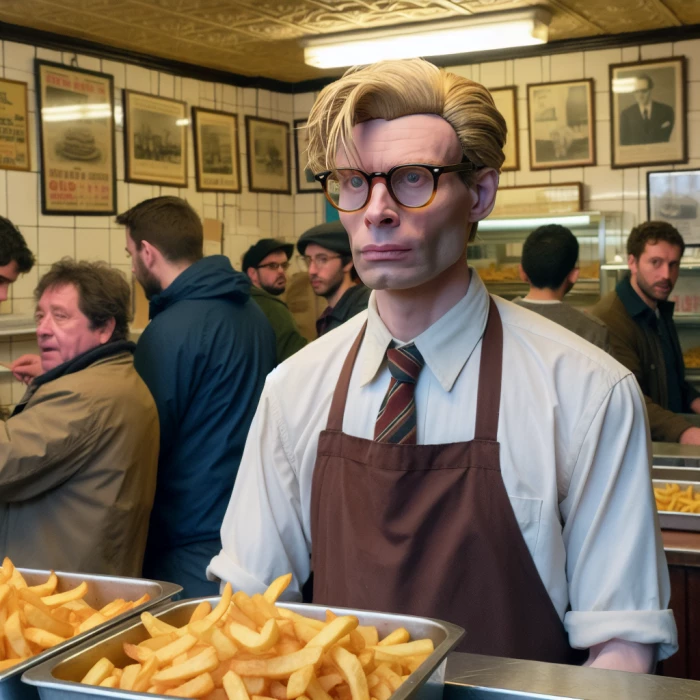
x,y
258,252
330,235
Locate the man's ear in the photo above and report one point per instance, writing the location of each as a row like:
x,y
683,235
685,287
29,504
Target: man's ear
x,y
252,275
573,275
483,193
150,255
105,333
523,276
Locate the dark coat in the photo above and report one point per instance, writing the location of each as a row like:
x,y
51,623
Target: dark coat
x,y
204,356
635,131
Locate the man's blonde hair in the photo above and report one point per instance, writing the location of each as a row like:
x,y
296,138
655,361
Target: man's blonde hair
x,y
392,89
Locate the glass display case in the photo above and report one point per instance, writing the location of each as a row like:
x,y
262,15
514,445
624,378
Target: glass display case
x,y
498,247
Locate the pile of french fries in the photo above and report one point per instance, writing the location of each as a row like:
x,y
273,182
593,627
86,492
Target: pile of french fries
x,y
674,499
247,648
34,618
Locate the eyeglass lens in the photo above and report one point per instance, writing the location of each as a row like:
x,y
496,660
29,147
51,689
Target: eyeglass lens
x,y
276,266
318,260
412,186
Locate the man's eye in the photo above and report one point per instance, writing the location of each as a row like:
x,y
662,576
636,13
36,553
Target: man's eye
x,y
356,181
321,260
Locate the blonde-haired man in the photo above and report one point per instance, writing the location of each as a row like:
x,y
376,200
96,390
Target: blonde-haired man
x,y
445,453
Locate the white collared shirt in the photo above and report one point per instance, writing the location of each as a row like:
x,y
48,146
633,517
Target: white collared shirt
x,y
575,459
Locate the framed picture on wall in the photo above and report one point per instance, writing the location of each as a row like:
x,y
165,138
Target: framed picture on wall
x,y
674,196
14,120
76,132
506,99
305,178
268,155
648,124
155,139
561,120
534,200
217,163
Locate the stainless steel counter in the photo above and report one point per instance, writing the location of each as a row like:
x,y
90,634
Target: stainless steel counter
x,y
474,677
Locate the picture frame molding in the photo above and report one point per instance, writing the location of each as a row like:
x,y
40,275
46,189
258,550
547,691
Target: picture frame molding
x,y
317,189
515,134
26,127
126,93
249,119
670,171
683,61
591,130
195,111
38,63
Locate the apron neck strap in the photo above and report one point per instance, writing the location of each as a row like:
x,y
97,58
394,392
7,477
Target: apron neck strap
x,y
489,392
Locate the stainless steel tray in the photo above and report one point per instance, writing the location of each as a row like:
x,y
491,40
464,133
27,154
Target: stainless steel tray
x,y
669,520
101,590
57,679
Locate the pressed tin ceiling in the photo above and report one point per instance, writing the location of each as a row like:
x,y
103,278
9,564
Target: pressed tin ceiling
x,y
260,37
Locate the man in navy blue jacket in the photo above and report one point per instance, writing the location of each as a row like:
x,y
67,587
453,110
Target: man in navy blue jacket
x,y
204,356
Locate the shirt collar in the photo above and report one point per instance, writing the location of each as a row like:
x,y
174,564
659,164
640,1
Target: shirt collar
x,y
446,345
634,305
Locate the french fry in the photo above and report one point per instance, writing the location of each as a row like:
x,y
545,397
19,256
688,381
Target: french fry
x,y
198,687
295,616
14,637
222,606
98,672
315,691
244,603
351,671
129,673
265,608
278,667
389,652
255,685
45,621
299,681
178,646
276,588
155,626
9,663
42,638
398,636
330,681
254,641
93,621
334,631
60,598
203,662
234,687
144,676
111,682
201,611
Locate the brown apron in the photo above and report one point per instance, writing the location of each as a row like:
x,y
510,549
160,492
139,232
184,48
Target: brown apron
x,y
429,529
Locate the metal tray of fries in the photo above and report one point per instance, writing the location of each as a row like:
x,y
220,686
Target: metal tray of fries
x,y
101,591
58,678
673,520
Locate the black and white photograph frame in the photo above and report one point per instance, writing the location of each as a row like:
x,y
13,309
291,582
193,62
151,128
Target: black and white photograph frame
x,y
78,165
155,139
267,153
216,150
674,196
506,100
648,117
561,124
305,177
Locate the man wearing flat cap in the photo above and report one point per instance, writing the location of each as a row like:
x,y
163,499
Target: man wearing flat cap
x,y
326,252
266,265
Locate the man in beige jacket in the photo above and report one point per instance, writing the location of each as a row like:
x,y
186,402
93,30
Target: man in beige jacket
x,y
78,456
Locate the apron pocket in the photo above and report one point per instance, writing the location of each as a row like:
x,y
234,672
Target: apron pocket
x,y
527,512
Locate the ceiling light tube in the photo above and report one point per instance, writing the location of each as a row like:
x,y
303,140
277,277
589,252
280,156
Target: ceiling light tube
x,y
533,223
482,32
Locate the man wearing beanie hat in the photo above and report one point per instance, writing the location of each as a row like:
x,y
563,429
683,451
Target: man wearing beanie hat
x,y
266,265
326,252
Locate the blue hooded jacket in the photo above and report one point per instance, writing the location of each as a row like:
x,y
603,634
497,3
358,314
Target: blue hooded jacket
x,y
204,356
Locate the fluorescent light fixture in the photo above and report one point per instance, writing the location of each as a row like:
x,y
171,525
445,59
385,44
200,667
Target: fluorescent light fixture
x,y
481,32
517,224
69,113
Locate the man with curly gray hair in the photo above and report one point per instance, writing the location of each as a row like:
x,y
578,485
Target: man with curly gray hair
x,y
446,453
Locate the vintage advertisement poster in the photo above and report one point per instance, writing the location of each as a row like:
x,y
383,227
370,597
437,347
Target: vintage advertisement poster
x,y
155,139
14,127
76,117
268,155
216,151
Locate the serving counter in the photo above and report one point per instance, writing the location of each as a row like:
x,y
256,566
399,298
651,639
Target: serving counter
x,y
474,677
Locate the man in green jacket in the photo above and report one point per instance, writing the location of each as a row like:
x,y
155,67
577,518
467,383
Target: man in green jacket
x,y
266,265
643,335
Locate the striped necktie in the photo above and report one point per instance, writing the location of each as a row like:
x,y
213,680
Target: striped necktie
x,y
396,422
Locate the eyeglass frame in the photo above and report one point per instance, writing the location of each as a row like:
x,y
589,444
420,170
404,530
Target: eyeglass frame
x,y
274,266
308,259
435,171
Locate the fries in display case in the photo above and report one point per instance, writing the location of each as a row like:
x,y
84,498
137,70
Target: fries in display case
x,y
249,648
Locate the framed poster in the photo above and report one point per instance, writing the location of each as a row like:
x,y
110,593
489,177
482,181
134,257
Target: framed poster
x,y
76,132
674,196
648,121
14,126
155,139
305,178
217,163
268,155
529,200
506,99
561,120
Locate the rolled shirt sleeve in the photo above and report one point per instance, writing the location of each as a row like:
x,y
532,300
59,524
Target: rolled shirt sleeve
x,y
270,539
618,577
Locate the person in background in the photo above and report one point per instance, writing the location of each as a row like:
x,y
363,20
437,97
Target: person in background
x,y
326,252
15,256
204,356
642,333
446,453
79,455
549,264
266,265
